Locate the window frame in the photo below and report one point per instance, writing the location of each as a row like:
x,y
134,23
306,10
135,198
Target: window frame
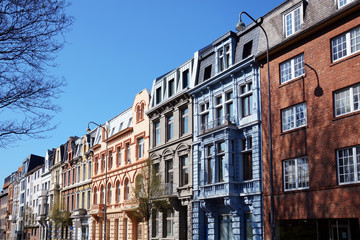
x,y
247,94
169,127
140,148
351,102
184,170
355,151
344,4
294,28
157,132
296,172
348,46
204,114
293,74
184,121
294,117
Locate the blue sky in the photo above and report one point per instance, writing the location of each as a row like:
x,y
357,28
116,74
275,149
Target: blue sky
x,y
117,48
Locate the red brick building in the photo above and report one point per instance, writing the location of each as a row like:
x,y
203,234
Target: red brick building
x,y
315,110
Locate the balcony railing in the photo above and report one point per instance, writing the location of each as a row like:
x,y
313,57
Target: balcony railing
x,y
217,123
170,189
227,188
42,193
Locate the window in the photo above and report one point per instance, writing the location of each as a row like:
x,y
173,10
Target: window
x,y
128,153
247,158
95,196
72,202
224,57
119,156
246,99
170,223
204,116
247,49
294,117
83,172
89,170
170,127
229,106
225,227
96,165
348,161
292,68
155,223
207,72
219,110
127,189
118,191
185,78
109,194
184,121
103,162
140,112
88,199
102,194
156,133
210,163
171,87
78,174
184,168
296,173
347,100
140,149
158,95
293,21
248,222
139,186
77,201
346,44
110,159
221,160
169,175
342,3
73,175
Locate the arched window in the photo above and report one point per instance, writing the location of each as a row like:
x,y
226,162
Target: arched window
x,y
95,196
102,194
118,191
142,110
138,113
109,194
127,189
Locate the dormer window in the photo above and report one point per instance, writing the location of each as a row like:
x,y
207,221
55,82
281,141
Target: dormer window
x,y
342,3
224,57
185,78
292,21
158,95
171,87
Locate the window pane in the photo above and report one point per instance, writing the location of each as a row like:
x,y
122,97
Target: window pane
x,y
285,71
339,47
297,19
300,115
303,172
288,119
299,65
289,24
356,98
355,40
289,174
342,102
346,165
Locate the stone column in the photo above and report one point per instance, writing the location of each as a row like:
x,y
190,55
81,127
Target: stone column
x,y
236,225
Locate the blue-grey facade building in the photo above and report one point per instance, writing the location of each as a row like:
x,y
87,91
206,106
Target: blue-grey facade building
x,y
227,201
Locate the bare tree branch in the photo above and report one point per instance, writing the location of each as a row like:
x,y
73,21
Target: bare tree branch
x,y
31,33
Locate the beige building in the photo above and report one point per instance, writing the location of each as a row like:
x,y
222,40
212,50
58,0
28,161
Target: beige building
x,y
126,139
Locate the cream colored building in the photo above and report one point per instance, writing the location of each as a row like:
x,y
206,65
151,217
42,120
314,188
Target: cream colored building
x,y
127,142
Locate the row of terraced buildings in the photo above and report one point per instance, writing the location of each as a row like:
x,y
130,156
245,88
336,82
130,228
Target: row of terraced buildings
x,y
255,137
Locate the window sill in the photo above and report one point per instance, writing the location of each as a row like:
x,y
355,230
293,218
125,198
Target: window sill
x,y
336,62
346,115
294,130
292,81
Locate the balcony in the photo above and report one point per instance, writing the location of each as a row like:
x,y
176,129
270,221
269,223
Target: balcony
x,y
42,193
171,189
79,213
216,124
97,210
41,217
223,189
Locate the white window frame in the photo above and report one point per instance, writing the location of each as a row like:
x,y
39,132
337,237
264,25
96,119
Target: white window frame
x,y
293,113
293,74
204,110
296,173
224,56
351,102
246,93
342,3
347,49
352,168
292,14
141,146
229,113
218,100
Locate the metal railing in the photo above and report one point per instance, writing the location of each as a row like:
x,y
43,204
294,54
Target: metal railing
x,y
217,123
